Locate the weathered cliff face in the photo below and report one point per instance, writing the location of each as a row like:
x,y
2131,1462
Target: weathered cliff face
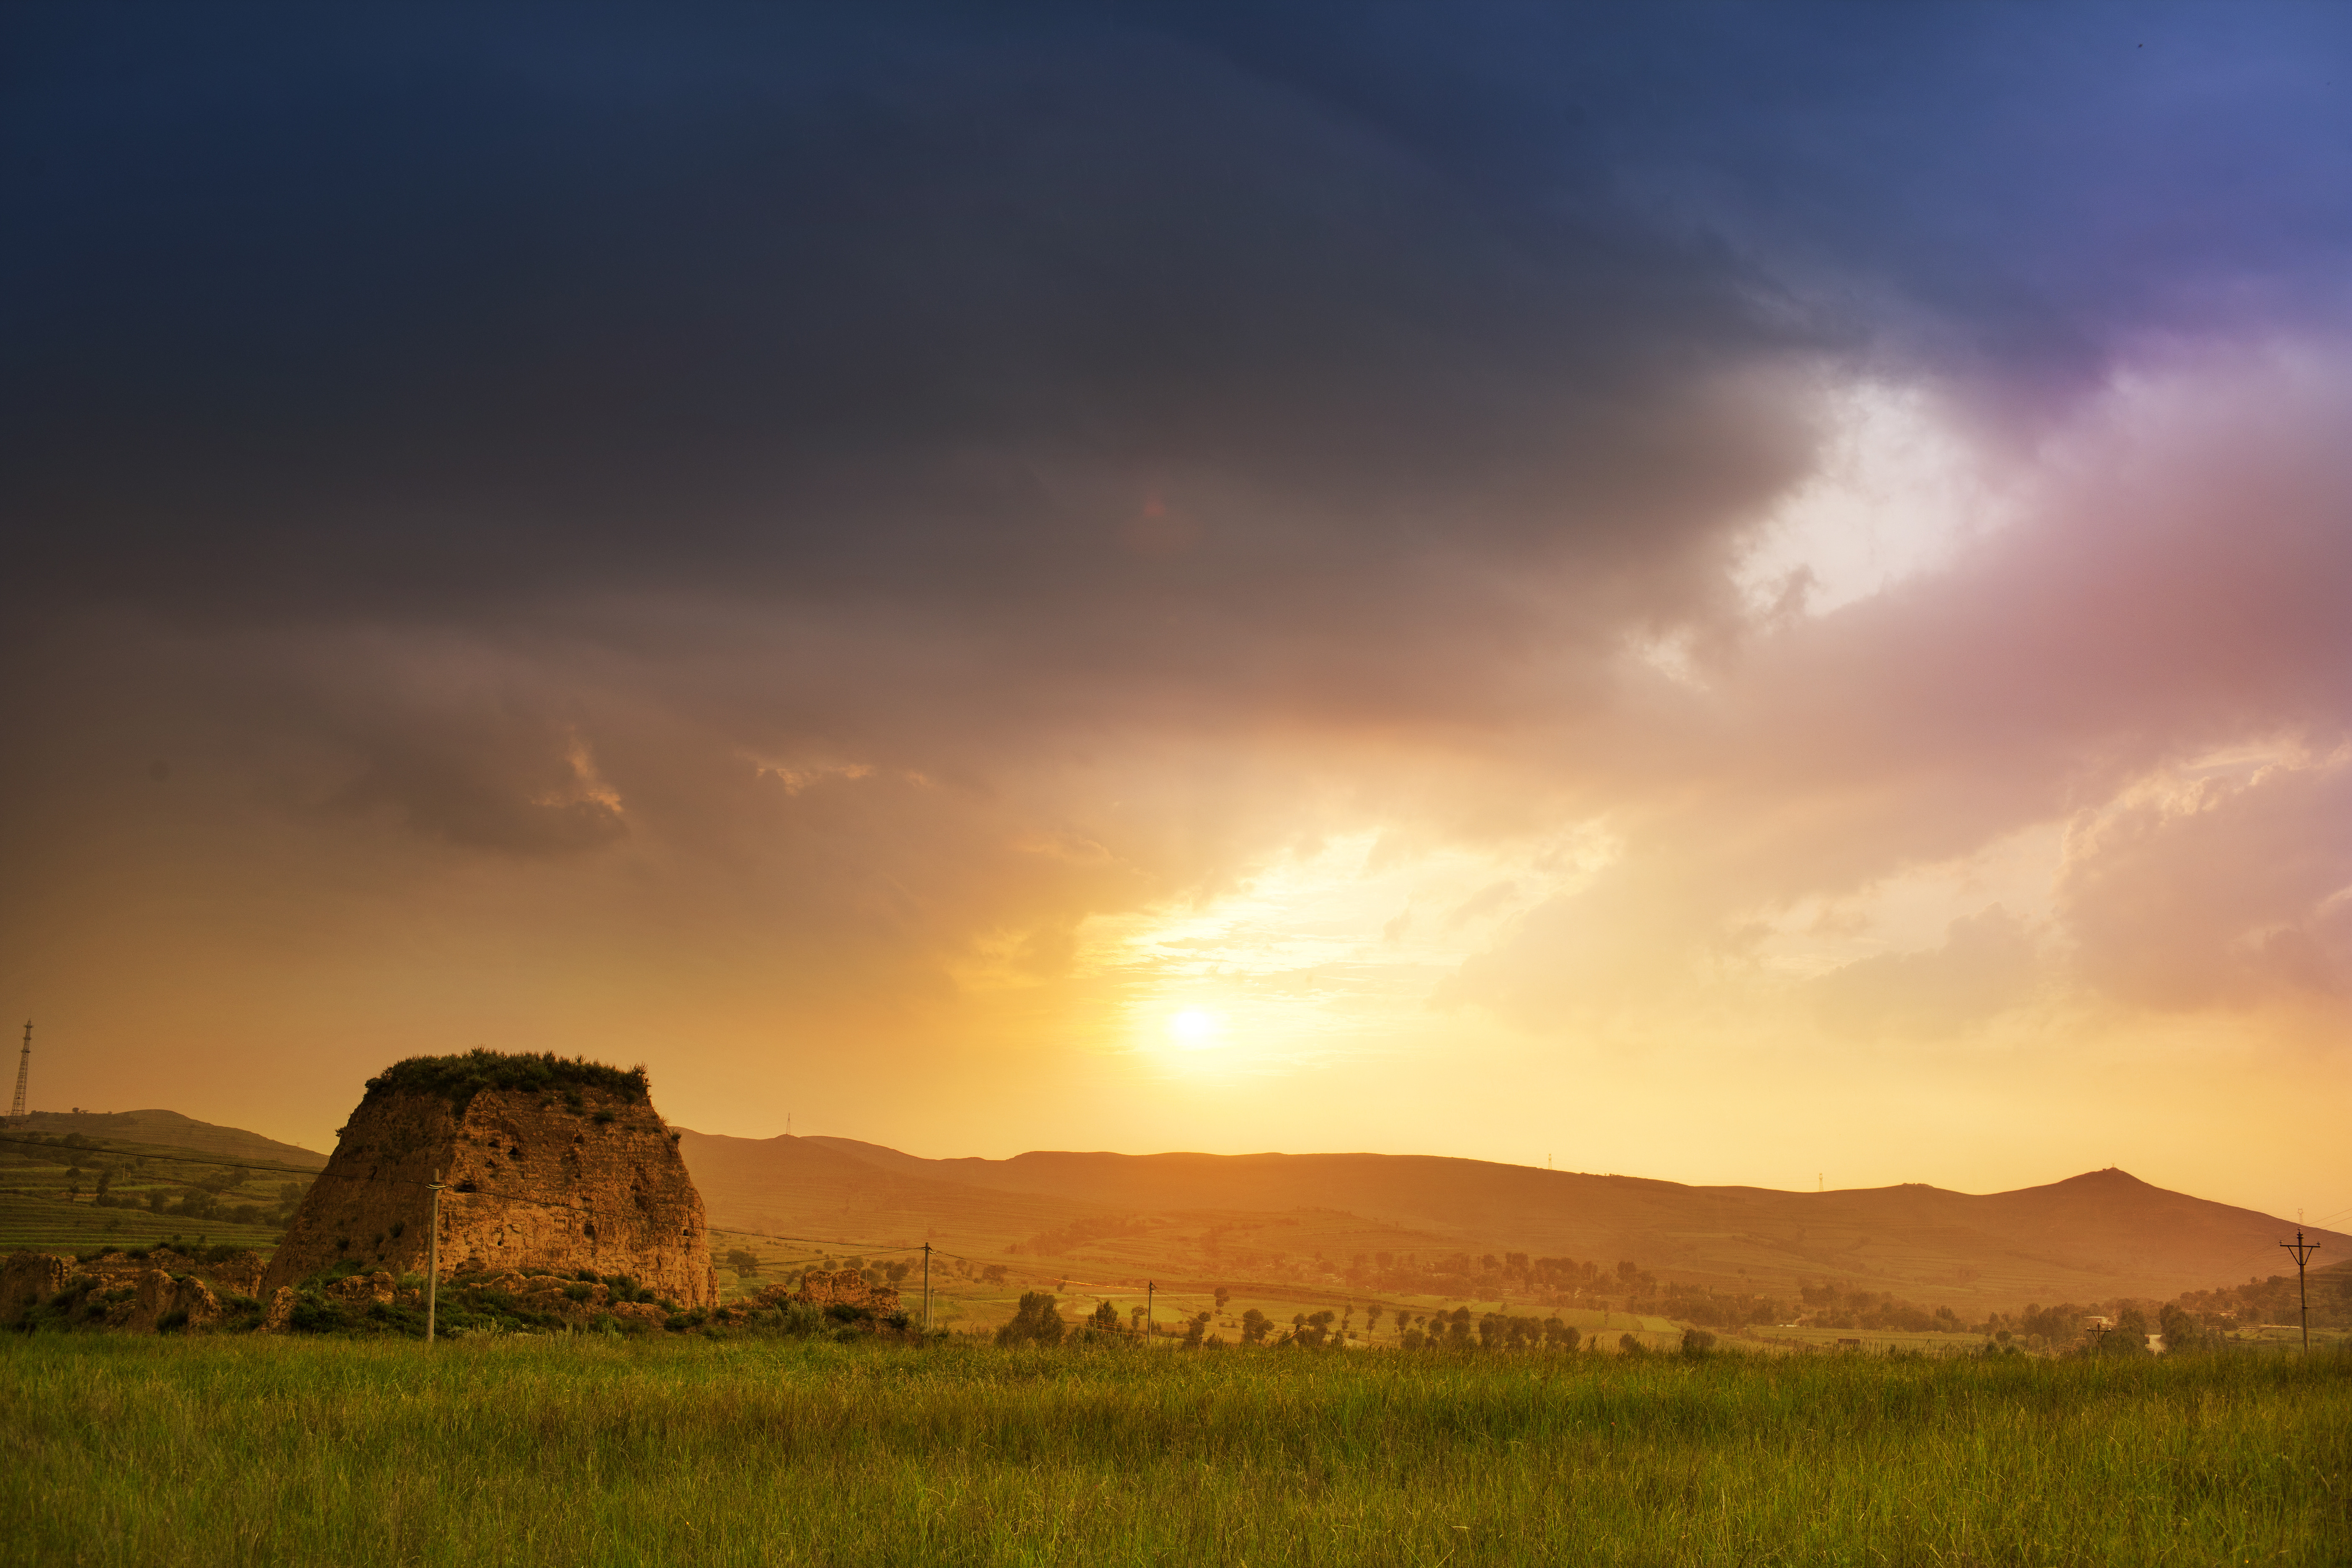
x,y
564,1178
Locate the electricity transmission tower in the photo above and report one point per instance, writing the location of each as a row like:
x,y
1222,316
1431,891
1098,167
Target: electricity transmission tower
x,y
24,1071
2303,1250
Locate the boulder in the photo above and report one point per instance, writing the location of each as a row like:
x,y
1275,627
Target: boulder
x,y
363,1290
280,1311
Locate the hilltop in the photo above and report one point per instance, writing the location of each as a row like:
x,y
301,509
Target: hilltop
x,y
1310,1218
170,1129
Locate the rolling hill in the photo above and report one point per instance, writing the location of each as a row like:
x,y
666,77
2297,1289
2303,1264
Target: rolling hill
x,y
1306,1217
170,1129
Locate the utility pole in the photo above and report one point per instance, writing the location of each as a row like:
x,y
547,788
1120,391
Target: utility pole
x,y
432,1261
2303,1250
24,1071
1148,1287
927,1287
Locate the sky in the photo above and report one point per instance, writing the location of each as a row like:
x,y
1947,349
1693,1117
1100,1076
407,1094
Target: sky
x,y
1740,593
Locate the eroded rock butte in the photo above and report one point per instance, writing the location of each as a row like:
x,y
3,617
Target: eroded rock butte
x,y
546,1164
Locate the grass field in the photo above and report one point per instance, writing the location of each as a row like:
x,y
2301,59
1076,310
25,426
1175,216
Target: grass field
x,y
584,1450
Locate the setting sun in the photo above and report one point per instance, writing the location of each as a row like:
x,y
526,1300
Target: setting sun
x,y
1195,1029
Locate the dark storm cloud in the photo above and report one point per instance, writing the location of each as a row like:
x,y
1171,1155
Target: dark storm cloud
x,y
476,417
326,318
408,312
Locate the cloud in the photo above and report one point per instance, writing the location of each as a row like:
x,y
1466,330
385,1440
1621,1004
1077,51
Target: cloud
x,y
1988,964
2165,589
2220,889
817,508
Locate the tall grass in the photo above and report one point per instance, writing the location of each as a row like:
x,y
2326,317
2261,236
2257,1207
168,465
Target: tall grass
x,y
139,1451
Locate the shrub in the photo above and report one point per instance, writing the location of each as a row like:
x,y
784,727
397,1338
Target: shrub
x,y
314,1314
458,1079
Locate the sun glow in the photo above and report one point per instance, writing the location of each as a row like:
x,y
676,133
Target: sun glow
x,y
1325,955
1195,1029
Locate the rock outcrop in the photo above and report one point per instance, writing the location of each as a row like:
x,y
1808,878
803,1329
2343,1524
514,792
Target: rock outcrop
x,y
844,1286
160,1298
117,1290
547,1164
29,1279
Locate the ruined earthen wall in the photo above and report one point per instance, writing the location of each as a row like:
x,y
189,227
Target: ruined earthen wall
x,y
565,1180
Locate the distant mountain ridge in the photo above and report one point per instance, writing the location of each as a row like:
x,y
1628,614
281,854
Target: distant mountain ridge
x,y
2091,1236
170,1129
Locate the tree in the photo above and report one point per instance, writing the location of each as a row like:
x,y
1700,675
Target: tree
x,y
1697,1341
1035,1322
2128,1337
1196,1328
1255,1326
2182,1332
1223,1295
1106,1317
745,1264
1631,1345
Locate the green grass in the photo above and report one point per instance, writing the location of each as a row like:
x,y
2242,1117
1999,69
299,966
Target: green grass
x,y
580,1450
